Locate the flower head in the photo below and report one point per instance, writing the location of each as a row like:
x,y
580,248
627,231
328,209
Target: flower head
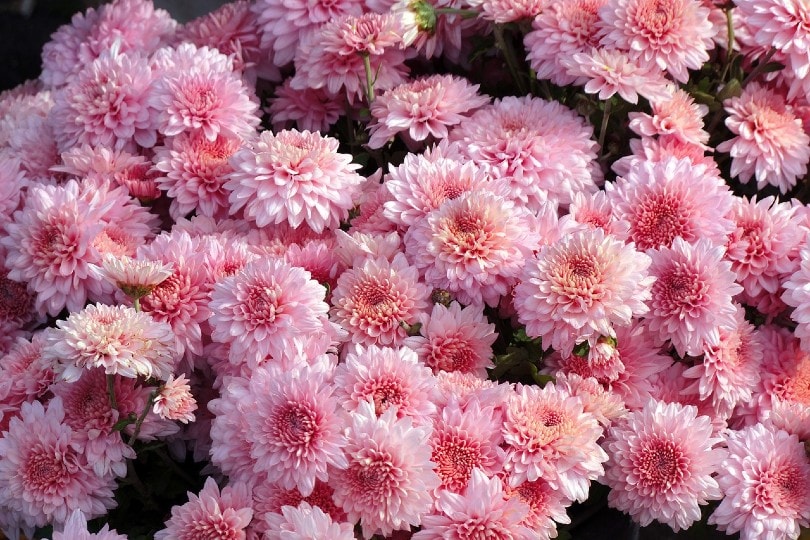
x,y
76,529
136,278
174,401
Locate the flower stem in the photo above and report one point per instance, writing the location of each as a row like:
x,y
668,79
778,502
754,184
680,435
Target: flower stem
x,y
465,13
757,71
111,391
509,56
142,417
369,78
136,303
603,127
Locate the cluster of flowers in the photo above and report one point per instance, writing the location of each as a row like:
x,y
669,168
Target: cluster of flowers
x,y
326,338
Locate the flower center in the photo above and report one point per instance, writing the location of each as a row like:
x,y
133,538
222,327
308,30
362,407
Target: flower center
x,y
455,458
295,426
660,464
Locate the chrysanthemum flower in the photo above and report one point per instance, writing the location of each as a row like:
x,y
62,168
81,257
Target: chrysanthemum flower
x,y
604,404
662,463
546,507
27,373
770,144
136,278
678,116
306,109
389,479
374,298
581,287
60,55
766,485
212,513
548,435
543,148
675,35
44,474
76,529
295,177
174,400
305,522
422,109
590,211
16,303
473,246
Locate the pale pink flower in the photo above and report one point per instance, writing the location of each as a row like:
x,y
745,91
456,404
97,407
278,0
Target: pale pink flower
x,y
230,447
212,514
660,149
677,116
264,307
466,388
483,510
590,211
135,277
317,257
548,435
305,522
505,11
582,287
422,109
455,339
76,529
770,143
473,246
546,506
607,72
294,431
12,182
691,297
662,201
270,498
562,29
389,478
797,296
44,474
675,35
387,377
188,58
766,485
295,177
174,400
306,109
107,104
605,405
356,247
26,372
374,298
60,56
97,162
662,463
119,339
542,148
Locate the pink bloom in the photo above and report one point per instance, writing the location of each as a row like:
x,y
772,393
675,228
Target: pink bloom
x,y
455,339
422,109
662,461
605,405
305,522
662,201
766,485
136,278
98,162
60,56
212,513
677,116
770,142
27,375
542,148
505,11
107,104
269,498
558,32
661,149
295,432
389,477
117,338
483,511
76,529
294,177
581,287
674,35
263,308
306,109
548,435
374,298
473,246
45,476
591,211
797,296
16,303
174,401
230,448
546,506
610,71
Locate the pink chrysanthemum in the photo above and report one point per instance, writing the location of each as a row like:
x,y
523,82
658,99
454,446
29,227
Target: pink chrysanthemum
x,y
662,461
770,143
549,435
174,400
473,246
610,71
691,297
195,169
542,148
119,339
60,56
661,201
263,308
269,498
581,287
604,404
332,57
797,295
230,447
211,514
672,34
295,432
389,479
423,109
294,177
389,378
484,511
374,298
661,149
678,116
546,506
306,109
76,529
107,104
44,474
561,30
135,278
591,211
27,375
766,485
16,302
506,11
305,522
455,339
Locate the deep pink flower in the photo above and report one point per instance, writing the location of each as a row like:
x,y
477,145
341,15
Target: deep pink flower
x,y
677,116
662,463
306,109
546,506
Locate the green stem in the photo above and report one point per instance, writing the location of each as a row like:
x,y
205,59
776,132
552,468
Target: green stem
x,y
369,78
136,303
511,60
142,417
111,391
465,13
760,67
730,45
603,127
